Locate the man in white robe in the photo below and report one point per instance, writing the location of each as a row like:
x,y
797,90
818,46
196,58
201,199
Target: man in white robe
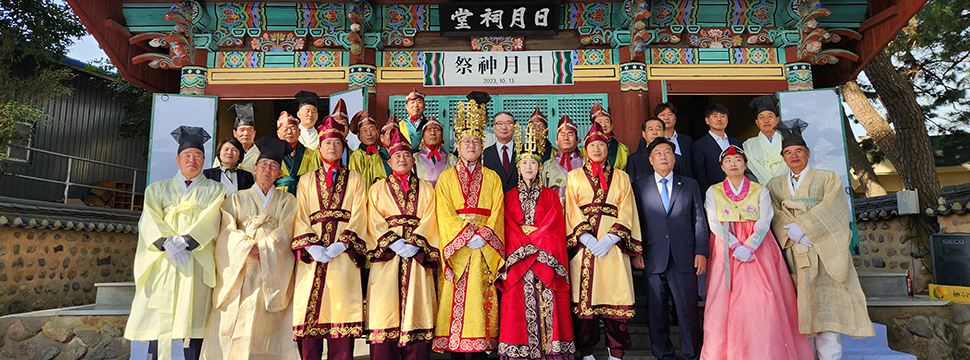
x,y
251,304
764,150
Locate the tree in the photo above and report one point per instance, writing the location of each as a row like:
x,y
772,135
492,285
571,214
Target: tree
x,y
34,35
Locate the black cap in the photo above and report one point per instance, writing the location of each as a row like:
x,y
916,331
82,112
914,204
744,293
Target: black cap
x,y
764,103
480,97
793,127
272,148
190,137
795,140
307,98
244,113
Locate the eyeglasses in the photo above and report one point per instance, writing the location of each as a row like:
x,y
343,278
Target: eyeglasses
x,y
504,123
474,142
290,129
268,165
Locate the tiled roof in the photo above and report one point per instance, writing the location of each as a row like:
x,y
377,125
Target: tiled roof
x,y
953,199
55,216
876,207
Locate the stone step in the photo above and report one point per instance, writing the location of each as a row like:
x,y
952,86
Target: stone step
x,y
115,293
881,283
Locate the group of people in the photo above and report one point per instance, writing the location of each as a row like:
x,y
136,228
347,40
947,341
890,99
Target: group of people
x,y
517,248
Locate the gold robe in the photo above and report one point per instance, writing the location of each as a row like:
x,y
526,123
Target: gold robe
x,y
251,310
401,299
601,287
370,167
828,292
172,303
469,204
327,298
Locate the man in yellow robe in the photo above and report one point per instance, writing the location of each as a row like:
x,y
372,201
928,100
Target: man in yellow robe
x,y
600,213
764,150
413,126
811,224
301,161
370,158
471,228
330,221
402,244
251,310
174,266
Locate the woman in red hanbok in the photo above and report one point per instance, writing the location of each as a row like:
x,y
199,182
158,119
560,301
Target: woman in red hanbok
x,y
750,311
535,315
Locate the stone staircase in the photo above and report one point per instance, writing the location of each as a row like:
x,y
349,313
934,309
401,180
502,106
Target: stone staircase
x,y
881,289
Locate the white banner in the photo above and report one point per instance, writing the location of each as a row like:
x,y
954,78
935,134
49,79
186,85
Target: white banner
x,y
514,68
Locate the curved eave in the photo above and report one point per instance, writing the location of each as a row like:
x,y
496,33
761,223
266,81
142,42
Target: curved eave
x,y
884,20
105,21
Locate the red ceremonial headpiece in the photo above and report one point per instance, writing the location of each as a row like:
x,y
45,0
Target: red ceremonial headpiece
x,y
598,110
414,94
539,118
359,118
284,118
391,123
596,134
340,109
733,150
397,141
330,128
565,123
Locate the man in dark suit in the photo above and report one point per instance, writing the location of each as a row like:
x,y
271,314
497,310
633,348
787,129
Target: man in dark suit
x,y
675,247
500,157
682,143
638,166
227,170
707,149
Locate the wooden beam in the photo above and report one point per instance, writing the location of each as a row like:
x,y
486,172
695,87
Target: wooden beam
x,y
117,28
884,15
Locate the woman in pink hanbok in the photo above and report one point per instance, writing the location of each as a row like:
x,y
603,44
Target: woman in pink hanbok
x,y
750,312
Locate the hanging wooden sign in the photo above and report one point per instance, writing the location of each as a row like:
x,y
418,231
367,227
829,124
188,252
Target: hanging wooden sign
x,y
499,18
520,68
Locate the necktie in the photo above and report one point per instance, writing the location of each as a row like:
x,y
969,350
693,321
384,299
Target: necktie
x,y
403,178
566,161
188,182
433,154
664,195
331,170
598,171
794,181
505,158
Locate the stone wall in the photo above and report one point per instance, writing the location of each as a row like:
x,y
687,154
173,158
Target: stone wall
x,y
887,245
929,332
955,223
46,269
43,335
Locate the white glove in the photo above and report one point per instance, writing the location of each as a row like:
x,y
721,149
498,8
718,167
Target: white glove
x,y
318,253
336,249
587,240
180,241
403,250
743,254
476,242
603,246
179,257
796,234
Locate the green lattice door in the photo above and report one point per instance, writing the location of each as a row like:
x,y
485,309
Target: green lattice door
x,y
520,106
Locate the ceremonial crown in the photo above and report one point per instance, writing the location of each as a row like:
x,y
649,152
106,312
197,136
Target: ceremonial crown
x,y
530,141
470,119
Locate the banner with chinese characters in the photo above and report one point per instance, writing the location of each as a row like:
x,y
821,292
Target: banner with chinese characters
x,y
499,18
519,68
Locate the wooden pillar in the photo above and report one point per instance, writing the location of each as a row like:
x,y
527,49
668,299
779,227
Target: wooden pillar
x,y
633,103
799,76
193,80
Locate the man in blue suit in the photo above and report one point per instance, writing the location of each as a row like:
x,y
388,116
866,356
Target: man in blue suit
x,y
707,149
675,250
